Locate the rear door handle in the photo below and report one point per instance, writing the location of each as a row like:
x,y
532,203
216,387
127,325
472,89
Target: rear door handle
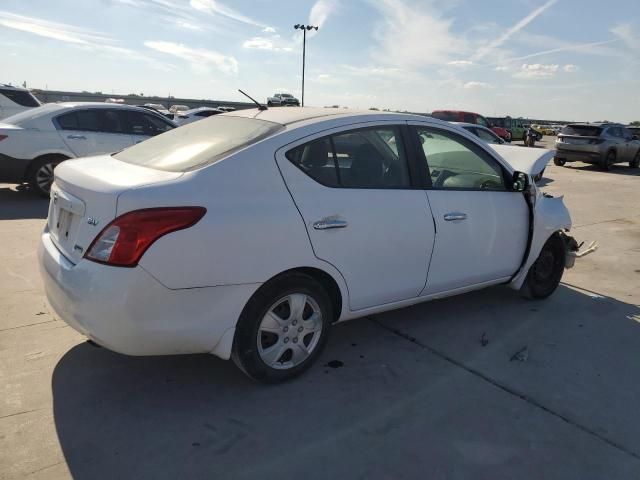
x,y
77,137
449,217
328,223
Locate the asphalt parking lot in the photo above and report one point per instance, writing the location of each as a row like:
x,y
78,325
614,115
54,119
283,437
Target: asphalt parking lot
x,y
486,385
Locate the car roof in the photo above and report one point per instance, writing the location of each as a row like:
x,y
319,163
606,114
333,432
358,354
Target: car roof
x,y
291,115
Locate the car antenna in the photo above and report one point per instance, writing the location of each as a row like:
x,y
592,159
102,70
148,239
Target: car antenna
x,y
260,107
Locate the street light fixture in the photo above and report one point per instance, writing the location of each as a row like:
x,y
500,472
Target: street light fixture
x,y
304,28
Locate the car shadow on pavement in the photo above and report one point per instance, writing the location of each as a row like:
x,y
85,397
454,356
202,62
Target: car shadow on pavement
x,y
415,388
16,202
618,169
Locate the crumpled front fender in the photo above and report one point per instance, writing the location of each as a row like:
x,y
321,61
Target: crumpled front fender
x,y
550,215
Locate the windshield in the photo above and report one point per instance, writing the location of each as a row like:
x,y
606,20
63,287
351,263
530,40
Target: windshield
x,y
285,95
582,130
198,144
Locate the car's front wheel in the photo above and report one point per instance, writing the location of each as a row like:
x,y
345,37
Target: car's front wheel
x,y
283,328
560,162
635,163
546,272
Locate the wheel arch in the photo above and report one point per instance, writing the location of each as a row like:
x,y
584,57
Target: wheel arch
x,y
325,279
43,156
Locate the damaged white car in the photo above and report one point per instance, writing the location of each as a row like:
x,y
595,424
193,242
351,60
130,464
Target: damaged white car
x,y
248,234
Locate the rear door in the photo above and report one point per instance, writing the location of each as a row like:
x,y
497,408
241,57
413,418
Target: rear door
x,y
92,131
353,189
482,227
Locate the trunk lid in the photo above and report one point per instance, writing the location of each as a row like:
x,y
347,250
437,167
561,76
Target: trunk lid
x,y
84,198
527,160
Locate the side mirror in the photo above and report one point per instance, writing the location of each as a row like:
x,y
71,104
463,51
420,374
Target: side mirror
x,y
519,181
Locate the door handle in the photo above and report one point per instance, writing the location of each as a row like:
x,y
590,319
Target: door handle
x,y
449,217
326,224
77,137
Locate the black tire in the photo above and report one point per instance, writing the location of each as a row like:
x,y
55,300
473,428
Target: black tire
x,y
546,272
269,104
635,163
40,173
608,160
560,162
246,350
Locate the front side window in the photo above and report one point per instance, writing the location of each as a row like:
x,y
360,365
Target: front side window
x,y
93,120
145,124
488,136
456,163
481,121
365,158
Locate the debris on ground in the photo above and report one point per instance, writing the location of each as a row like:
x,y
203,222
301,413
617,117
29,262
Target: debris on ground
x,y
335,364
521,355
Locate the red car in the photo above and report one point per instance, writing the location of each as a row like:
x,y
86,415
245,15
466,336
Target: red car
x,y
470,117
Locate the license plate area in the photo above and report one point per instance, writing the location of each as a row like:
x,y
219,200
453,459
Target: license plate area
x,y
63,223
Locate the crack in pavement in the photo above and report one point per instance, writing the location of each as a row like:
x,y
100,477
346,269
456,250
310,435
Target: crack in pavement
x,y
605,221
27,325
505,388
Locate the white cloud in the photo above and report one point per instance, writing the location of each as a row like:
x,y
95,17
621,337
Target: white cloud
x,y
214,7
57,31
537,70
199,59
319,13
501,68
570,68
484,51
263,43
414,37
460,63
372,71
475,85
269,30
625,33
187,25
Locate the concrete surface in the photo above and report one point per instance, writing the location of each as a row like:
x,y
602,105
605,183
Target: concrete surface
x,y
419,396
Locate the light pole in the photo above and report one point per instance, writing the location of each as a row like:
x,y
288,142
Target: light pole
x,y
304,28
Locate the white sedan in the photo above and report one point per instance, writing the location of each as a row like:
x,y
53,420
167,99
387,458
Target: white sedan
x,y
34,142
195,114
248,234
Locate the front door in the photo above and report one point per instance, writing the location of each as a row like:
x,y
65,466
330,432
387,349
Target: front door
x,y
363,216
482,227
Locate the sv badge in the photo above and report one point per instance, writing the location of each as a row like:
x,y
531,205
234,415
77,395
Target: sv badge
x,y
92,221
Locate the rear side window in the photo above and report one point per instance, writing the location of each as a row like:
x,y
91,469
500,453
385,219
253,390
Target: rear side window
x,y
469,118
20,97
582,130
198,144
93,120
365,158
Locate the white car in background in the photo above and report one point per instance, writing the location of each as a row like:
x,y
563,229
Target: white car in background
x,y
34,142
15,100
195,114
248,234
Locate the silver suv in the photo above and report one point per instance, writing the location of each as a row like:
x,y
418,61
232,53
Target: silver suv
x,y
602,144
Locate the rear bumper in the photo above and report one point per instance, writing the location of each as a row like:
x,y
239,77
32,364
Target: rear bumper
x,y
578,155
128,311
13,170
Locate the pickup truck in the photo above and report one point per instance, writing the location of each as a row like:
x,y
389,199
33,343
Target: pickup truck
x,y
283,100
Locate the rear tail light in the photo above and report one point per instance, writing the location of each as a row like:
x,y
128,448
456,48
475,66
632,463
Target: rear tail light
x,y
123,242
2,137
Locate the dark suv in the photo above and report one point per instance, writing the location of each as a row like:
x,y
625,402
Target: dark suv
x,y
602,144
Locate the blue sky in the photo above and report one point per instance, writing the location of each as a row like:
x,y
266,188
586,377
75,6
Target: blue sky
x,y
559,59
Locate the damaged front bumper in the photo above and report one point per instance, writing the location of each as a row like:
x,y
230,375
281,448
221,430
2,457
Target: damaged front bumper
x,y
573,249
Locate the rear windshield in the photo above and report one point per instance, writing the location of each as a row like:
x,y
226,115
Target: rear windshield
x,y
582,130
198,144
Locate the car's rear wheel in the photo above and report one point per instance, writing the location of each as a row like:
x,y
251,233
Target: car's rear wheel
x,y
608,160
546,272
283,328
40,173
560,162
635,163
